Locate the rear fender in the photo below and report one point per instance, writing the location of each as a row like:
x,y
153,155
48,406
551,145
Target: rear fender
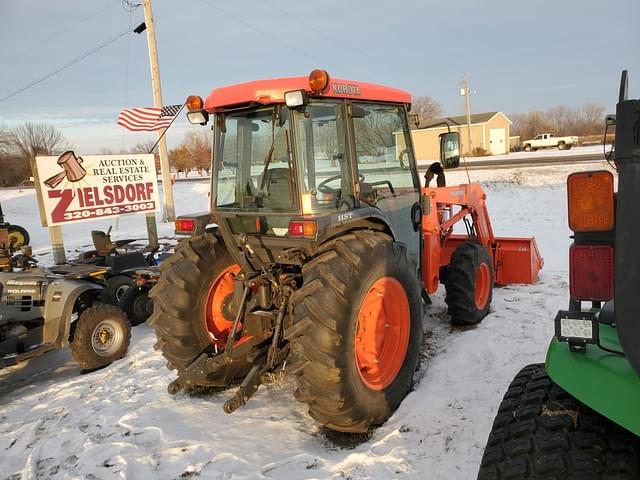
x,y
60,300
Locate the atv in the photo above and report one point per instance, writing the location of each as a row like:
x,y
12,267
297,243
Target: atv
x,y
43,310
120,263
135,301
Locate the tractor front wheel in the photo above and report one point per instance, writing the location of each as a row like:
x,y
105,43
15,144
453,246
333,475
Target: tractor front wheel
x,y
357,330
469,284
192,302
541,431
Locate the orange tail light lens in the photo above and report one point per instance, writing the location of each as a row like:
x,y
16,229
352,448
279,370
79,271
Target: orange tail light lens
x,y
318,80
590,199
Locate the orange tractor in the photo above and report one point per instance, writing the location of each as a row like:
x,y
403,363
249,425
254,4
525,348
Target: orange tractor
x,y
320,247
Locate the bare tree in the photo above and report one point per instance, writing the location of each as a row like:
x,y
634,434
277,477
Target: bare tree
x,y
6,140
426,107
33,139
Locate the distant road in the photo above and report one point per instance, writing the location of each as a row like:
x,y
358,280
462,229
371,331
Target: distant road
x,y
485,163
535,161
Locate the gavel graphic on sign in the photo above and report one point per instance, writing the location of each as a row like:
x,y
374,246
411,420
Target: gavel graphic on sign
x,y
73,171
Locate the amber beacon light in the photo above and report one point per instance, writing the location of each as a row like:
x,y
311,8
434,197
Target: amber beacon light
x,y
318,80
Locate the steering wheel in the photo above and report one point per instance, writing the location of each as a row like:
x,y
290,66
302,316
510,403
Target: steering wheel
x,y
323,186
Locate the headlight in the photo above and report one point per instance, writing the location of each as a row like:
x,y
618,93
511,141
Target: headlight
x,y
295,98
198,117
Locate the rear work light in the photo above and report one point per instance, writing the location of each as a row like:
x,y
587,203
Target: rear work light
x,y
303,228
577,328
591,272
185,226
590,200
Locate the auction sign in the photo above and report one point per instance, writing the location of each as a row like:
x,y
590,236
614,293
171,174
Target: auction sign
x,y
75,189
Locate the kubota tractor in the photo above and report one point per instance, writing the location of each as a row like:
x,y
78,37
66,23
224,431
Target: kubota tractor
x,y
578,415
320,247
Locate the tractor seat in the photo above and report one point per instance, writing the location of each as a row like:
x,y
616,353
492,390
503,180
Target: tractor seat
x,y
276,193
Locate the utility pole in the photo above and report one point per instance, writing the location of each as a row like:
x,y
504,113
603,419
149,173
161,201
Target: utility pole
x,y
465,92
169,212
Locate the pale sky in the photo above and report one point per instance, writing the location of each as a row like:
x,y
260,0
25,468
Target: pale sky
x,y
519,56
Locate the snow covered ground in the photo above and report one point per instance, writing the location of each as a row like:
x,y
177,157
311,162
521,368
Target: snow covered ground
x,y
120,422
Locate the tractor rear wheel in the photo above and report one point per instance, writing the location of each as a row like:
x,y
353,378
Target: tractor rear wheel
x,y
191,301
357,330
541,431
469,284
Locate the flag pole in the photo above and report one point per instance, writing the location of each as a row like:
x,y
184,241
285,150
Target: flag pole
x,y
167,128
169,212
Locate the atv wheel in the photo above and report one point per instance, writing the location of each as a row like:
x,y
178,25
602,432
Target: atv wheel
x,y
18,236
541,431
357,330
115,288
136,304
469,284
192,302
101,336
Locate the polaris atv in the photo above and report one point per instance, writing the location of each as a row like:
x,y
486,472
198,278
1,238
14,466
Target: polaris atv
x,y
42,310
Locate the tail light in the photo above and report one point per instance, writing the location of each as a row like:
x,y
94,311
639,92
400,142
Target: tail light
x,y
591,205
591,272
185,226
590,198
303,228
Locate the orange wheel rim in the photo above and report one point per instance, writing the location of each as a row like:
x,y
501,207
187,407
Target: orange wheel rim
x,y
382,333
217,322
483,286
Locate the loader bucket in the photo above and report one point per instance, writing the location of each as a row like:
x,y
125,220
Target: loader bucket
x,y
516,260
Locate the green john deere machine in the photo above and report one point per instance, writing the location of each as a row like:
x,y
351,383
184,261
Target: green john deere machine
x,y
578,415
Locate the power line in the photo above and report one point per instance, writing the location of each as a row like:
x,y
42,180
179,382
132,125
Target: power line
x,y
65,66
66,30
272,37
331,38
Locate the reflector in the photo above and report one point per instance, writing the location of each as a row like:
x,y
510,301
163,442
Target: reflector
x,y
591,272
590,201
187,225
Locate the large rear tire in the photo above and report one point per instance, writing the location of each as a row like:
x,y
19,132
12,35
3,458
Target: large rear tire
x,y
190,302
357,329
541,431
469,284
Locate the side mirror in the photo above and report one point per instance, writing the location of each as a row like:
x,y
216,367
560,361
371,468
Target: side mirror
x,y
450,150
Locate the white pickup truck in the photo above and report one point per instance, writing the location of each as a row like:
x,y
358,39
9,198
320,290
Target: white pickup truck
x,y
546,140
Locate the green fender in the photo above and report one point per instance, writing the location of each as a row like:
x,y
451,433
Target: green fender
x,y
602,380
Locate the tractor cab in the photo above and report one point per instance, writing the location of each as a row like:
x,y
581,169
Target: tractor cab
x,y
307,158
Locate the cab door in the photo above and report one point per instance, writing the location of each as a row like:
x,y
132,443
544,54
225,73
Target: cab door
x,y
386,169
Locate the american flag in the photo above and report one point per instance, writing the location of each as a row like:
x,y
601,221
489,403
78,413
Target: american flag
x,y
148,119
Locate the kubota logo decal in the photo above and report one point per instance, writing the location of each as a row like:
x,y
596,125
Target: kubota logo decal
x,y
345,89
